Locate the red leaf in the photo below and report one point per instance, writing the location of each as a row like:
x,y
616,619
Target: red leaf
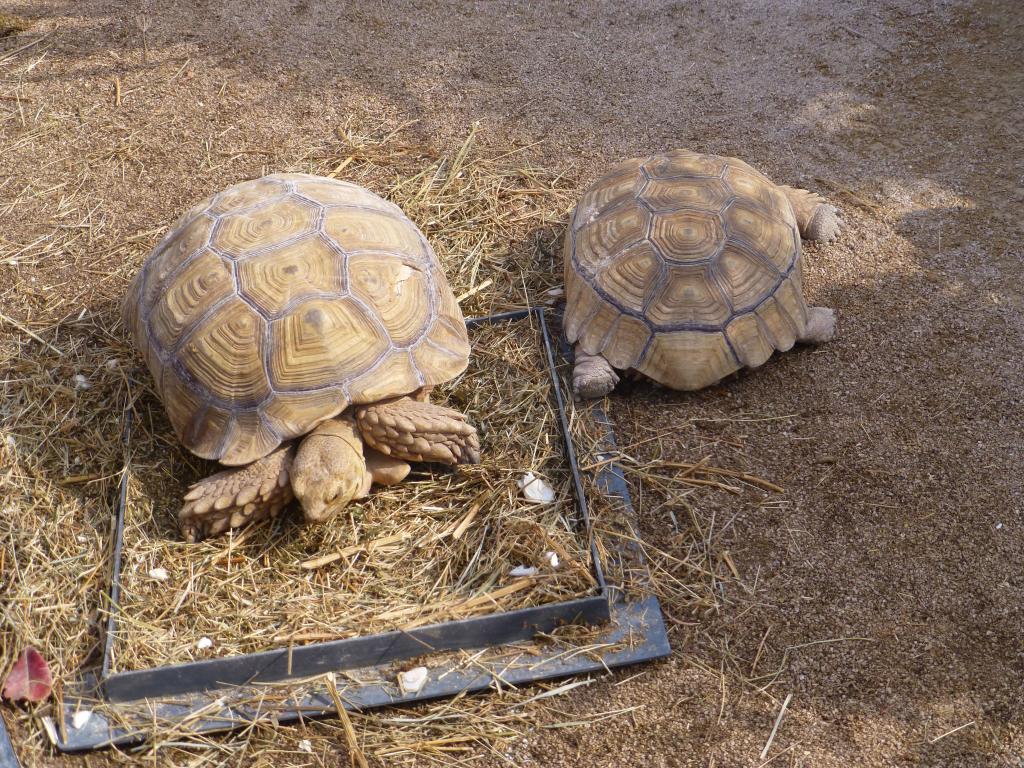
x,y
29,678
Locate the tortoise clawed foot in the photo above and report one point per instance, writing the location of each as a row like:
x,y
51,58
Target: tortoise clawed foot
x,y
815,218
821,326
824,225
592,376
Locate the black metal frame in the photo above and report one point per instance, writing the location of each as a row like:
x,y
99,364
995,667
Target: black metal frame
x,y
219,694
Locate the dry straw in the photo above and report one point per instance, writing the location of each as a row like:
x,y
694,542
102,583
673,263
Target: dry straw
x,y
437,547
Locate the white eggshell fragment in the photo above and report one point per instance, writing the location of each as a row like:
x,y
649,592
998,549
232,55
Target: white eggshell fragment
x,y
204,643
80,718
160,574
535,489
413,680
552,559
523,570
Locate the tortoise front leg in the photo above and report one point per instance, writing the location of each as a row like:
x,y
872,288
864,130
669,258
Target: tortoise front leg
x,y
235,497
412,430
815,217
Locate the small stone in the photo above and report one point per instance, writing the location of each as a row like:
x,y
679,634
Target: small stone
x,y
413,680
306,746
80,718
204,643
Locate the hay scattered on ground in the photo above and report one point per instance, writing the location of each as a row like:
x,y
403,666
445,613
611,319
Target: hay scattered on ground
x,y
12,25
495,221
69,370
436,547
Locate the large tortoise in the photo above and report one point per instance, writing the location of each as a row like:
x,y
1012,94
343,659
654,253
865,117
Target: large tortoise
x,y
292,306
686,267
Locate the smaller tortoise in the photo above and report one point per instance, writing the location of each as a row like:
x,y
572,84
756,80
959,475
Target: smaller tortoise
x,y
296,306
686,267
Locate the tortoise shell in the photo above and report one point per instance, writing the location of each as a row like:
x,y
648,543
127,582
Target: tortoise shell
x,y
278,302
685,267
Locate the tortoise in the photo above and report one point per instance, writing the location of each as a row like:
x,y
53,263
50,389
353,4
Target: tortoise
x,y
686,267
296,306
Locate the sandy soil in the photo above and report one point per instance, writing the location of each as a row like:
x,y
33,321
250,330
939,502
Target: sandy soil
x,y
884,589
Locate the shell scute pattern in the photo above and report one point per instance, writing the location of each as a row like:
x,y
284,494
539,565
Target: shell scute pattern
x,y
690,296
703,282
274,280
685,164
618,188
745,276
687,236
192,292
364,229
249,194
762,232
632,277
177,247
262,227
671,194
275,304
611,232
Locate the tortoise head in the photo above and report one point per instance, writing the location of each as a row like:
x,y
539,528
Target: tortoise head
x,y
329,469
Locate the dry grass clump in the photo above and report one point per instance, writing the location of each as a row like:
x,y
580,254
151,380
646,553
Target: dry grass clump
x,y
494,219
444,732
59,463
436,547
439,546
455,538
69,371
688,575
473,718
12,25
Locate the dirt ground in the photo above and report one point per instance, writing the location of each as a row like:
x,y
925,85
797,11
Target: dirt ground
x,y
884,590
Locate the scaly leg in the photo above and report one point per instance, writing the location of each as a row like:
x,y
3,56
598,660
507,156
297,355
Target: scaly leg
x,y
234,497
418,431
816,218
592,376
